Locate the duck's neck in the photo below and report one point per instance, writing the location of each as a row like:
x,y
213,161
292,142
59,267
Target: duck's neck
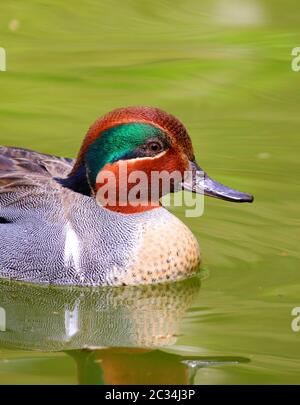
x,y
77,181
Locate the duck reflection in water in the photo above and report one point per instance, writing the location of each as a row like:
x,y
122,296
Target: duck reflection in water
x,y
115,335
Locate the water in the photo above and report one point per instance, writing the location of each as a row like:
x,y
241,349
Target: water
x,y
224,68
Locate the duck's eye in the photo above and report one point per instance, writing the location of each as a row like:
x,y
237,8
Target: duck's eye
x,y
154,147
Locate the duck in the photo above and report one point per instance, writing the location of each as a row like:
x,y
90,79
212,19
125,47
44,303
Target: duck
x,y
58,227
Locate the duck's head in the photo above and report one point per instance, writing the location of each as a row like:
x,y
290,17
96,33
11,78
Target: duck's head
x,y
146,139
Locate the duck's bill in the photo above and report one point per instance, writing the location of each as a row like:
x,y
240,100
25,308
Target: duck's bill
x,y
199,182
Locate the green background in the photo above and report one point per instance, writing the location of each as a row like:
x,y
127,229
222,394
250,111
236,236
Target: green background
x,y
224,69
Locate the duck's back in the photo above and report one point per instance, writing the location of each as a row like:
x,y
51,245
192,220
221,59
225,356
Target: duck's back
x,y
17,162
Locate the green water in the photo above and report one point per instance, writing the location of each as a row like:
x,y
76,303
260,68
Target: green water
x,y
224,68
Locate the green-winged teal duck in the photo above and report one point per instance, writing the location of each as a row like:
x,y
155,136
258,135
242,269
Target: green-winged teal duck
x,y
54,230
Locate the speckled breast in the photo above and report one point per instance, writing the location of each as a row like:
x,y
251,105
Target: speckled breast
x,y
167,251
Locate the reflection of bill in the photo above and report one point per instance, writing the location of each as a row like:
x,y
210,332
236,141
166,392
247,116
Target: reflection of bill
x,y
132,366
296,59
2,320
2,60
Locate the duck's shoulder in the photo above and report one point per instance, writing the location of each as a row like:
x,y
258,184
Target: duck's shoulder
x,y
23,167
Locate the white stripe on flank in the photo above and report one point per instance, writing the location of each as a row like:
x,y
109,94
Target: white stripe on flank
x,y
72,248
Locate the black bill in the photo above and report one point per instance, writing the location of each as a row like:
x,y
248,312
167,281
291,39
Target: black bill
x,y
198,181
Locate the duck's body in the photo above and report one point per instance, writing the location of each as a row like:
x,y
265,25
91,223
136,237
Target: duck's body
x,y
51,234
53,229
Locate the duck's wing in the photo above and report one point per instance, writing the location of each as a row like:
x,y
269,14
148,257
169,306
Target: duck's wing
x,y
23,167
